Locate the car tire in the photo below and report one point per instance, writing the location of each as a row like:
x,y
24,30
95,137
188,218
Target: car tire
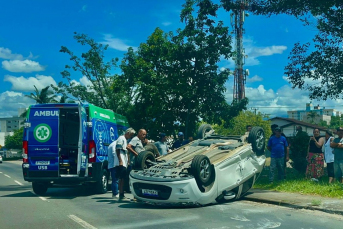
x,y
202,170
39,188
203,129
257,139
101,186
141,160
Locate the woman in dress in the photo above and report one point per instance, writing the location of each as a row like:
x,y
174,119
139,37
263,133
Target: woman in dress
x,y
315,157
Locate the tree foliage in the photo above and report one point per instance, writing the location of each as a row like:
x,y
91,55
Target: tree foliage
x,y
15,141
43,96
171,82
174,78
316,67
92,65
239,123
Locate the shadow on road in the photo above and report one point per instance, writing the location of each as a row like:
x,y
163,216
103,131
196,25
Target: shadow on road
x,y
142,205
11,188
21,194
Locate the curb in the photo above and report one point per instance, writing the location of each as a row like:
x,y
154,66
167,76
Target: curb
x,y
294,206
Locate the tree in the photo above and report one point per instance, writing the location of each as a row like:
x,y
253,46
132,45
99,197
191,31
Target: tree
x,y
64,99
94,68
320,64
239,123
15,141
175,78
43,96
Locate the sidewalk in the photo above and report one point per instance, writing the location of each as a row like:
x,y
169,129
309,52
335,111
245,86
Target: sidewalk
x,y
296,200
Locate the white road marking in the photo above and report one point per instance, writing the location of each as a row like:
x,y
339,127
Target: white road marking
x,y
18,182
83,223
42,198
155,222
7,176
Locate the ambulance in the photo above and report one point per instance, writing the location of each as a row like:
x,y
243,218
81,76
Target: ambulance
x,y
66,144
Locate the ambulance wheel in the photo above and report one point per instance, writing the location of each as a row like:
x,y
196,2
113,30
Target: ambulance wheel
x,y
39,188
101,185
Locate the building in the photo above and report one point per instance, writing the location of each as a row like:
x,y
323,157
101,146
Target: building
x,y
313,114
288,126
9,125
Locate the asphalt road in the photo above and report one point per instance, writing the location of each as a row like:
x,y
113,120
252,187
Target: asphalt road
x,y
78,208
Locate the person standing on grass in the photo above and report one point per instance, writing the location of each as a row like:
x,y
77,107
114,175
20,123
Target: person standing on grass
x,y
286,154
315,157
328,155
277,145
337,144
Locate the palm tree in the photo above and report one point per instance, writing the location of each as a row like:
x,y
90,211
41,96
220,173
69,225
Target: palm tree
x,y
312,115
64,99
43,96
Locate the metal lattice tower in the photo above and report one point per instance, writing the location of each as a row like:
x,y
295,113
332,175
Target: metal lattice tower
x,y
237,21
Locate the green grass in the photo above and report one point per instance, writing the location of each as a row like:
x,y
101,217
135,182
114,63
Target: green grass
x,y
296,183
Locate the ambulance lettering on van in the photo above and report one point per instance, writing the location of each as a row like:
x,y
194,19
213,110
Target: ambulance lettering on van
x,y
46,113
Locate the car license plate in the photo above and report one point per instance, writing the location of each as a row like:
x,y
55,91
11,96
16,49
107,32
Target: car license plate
x,y
149,192
42,162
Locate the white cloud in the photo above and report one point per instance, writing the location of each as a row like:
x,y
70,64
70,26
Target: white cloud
x,y
27,84
253,52
266,51
116,43
22,66
84,81
166,23
253,79
11,101
6,53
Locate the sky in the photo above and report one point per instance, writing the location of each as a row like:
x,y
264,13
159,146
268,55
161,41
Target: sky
x,y
32,33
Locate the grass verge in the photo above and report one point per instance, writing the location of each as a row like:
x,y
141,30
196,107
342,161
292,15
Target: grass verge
x,y
297,183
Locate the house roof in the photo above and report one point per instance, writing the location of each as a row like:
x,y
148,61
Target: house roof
x,y
297,122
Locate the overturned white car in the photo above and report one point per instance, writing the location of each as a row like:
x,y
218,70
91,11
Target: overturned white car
x,y
213,169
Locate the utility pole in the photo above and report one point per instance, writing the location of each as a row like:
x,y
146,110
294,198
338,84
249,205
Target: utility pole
x,y
237,21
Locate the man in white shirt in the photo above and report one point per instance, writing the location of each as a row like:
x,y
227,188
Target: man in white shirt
x,y
118,162
136,146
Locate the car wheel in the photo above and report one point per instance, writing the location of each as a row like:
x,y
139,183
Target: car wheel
x,y
101,185
39,188
142,160
203,130
257,139
202,170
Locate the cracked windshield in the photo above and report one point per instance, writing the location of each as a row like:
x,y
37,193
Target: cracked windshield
x,y
171,114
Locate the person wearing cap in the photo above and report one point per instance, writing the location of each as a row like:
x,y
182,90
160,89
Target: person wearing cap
x,y
328,154
272,127
337,144
161,145
179,142
277,145
315,157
